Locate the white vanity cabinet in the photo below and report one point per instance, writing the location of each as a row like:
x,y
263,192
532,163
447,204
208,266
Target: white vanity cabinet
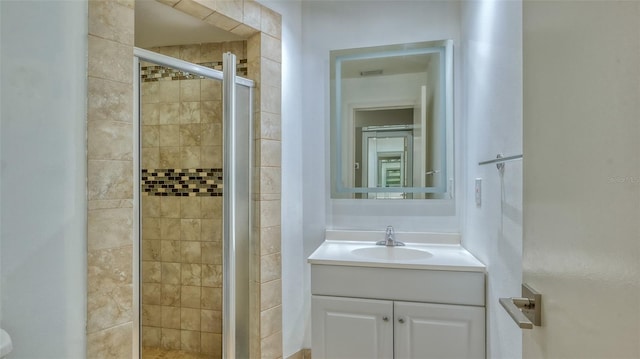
x,y
369,312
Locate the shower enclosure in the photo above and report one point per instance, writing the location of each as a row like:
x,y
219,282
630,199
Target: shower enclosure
x,y
195,160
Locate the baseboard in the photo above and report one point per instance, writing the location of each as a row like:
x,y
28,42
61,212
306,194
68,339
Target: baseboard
x,y
302,354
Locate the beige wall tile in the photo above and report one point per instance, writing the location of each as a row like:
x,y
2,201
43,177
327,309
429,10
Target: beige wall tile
x,y
231,8
191,252
270,294
190,319
190,135
190,229
108,309
211,252
270,267
270,321
151,293
269,213
211,298
109,100
109,228
190,89
169,135
150,136
268,126
171,295
191,297
111,20
252,14
211,157
189,112
150,206
150,158
269,153
109,180
270,181
170,317
190,341
169,112
211,134
211,343
211,231
221,21
243,30
170,228
190,53
149,92
170,251
109,204
270,98
191,274
151,337
190,157
150,228
110,60
271,347
270,238
150,112
112,343
271,23
171,273
209,321
108,269
169,157
211,112
210,52
170,207
190,208
194,8
211,207
271,48
212,275
170,339
151,272
168,92
109,140
151,250
270,73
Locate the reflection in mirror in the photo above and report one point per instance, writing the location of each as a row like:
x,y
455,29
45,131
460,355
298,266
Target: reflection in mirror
x,y
391,128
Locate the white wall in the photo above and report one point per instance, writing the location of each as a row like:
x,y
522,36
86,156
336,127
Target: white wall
x,y
332,25
294,314
492,111
43,225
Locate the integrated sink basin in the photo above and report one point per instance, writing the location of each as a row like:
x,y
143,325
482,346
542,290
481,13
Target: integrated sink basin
x,y
431,251
391,253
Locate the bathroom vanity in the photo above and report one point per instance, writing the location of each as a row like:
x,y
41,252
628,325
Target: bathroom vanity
x,y
422,300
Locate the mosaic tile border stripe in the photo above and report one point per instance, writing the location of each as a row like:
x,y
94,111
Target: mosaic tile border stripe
x,y
154,73
198,182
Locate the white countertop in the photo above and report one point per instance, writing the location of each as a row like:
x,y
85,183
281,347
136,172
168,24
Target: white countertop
x,y
448,256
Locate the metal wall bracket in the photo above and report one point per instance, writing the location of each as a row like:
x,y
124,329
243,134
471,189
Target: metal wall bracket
x,y
526,311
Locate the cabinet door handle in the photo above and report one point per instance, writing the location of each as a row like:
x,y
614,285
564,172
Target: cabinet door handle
x,y
385,318
401,320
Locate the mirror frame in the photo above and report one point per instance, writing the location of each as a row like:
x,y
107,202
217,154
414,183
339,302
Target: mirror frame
x,y
445,48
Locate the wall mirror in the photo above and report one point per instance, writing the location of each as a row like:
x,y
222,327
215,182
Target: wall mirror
x,y
392,121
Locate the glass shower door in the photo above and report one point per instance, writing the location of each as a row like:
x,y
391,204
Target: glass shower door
x,y
195,213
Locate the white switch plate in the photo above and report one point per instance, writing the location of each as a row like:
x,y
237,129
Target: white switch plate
x,y
478,191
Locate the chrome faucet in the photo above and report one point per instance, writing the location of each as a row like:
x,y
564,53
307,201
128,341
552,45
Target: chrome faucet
x,y
389,239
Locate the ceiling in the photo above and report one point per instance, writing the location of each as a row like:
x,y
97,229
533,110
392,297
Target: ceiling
x,y
157,24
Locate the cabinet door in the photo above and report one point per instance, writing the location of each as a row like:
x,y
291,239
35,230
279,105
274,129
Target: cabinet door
x,y
349,328
439,331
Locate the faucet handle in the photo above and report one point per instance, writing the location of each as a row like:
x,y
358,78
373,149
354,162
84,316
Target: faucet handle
x,y
389,230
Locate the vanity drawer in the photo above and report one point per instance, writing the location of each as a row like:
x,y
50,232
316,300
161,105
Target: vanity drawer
x,y
434,286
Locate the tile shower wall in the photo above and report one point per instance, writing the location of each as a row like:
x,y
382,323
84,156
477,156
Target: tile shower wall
x,y
182,202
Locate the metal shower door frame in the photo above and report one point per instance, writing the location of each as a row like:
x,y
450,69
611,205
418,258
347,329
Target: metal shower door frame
x,y
230,181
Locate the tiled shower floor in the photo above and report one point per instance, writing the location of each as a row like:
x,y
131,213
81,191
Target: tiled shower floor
x,y
157,353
